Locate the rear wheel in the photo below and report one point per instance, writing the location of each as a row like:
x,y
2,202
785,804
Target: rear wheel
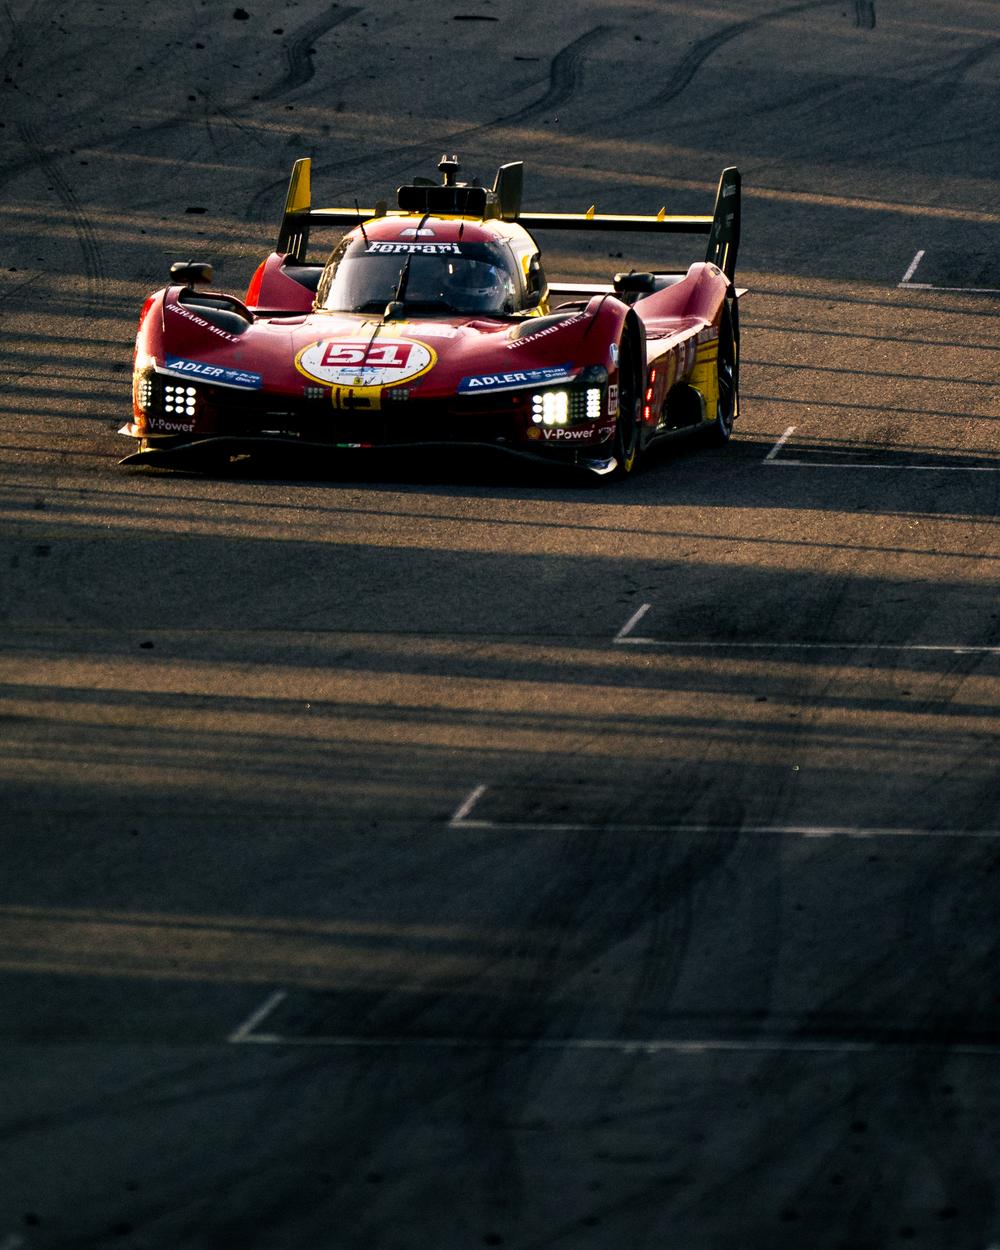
x,y
721,430
626,444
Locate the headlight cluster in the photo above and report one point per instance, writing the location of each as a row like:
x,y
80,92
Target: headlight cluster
x,y
553,407
179,400
143,391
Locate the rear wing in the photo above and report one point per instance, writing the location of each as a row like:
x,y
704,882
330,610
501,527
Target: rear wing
x,y
503,201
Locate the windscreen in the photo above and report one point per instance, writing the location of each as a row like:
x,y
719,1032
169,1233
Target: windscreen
x,y
439,277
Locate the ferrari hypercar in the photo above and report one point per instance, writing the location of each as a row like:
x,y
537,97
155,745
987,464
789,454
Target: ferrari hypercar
x,y
432,325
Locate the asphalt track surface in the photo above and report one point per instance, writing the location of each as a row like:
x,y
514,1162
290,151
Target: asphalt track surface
x,y
398,857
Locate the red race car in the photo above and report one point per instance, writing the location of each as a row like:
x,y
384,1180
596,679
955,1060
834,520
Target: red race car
x,y
433,325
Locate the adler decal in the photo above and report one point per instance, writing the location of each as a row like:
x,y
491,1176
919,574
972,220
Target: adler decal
x,y
516,378
364,362
222,376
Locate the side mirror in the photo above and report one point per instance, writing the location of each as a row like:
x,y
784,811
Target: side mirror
x,y
535,282
634,284
190,272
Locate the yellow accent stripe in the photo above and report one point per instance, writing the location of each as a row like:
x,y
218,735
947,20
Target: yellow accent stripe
x,y
610,221
696,224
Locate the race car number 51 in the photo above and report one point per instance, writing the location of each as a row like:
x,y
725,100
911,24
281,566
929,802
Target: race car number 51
x,y
361,362
379,355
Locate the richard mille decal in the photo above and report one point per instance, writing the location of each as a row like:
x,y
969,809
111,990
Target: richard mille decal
x,y
364,362
544,333
180,311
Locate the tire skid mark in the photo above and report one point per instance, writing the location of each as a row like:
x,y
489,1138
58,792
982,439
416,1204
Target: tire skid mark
x,y
864,14
300,50
15,287
954,71
563,79
692,61
93,262
299,56
15,48
8,381
930,95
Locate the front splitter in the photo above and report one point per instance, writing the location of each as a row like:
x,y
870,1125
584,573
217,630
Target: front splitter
x,y
212,449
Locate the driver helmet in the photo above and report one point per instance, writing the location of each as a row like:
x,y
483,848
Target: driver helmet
x,y
476,286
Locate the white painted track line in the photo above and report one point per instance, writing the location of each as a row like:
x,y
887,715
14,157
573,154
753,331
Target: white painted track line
x,y
627,638
466,806
632,621
246,1031
892,468
780,443
650,1046
683,644
912,269
906,284
966,290
784,462
462,820
792,831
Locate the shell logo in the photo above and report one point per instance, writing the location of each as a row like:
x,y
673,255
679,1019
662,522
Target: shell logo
x,y
365,362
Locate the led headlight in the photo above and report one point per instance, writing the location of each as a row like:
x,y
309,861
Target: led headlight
x,y
142,389
552,407
179,400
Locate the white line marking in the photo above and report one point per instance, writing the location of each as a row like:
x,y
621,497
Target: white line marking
x,y
245,1033
968,290
466,806
795,831
912,269
632,621
864,464
780,443
652,1046
947,648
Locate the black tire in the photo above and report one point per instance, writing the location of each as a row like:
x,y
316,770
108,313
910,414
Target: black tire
x,y
721,429
626,443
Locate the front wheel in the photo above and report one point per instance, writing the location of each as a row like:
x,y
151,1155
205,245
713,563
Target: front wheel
x,y
721,430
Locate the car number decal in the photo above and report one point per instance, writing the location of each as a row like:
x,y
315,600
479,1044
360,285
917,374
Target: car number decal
x,y
364,362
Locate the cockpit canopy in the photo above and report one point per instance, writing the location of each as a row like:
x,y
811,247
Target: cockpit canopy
x,y
365,274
